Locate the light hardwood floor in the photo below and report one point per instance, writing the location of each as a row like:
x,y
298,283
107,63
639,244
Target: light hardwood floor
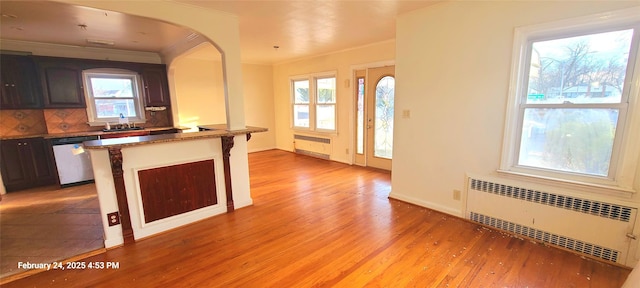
x,y
316,223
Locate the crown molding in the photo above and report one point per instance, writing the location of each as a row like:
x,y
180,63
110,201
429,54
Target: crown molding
x,y
70,51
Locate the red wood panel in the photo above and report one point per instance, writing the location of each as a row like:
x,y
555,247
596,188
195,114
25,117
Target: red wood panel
x,y
172,190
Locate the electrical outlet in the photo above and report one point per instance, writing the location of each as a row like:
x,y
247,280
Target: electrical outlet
x,y
347,151
456,194
114,218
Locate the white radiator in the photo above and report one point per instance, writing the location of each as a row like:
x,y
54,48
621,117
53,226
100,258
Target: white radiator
x,y
589,227
313,146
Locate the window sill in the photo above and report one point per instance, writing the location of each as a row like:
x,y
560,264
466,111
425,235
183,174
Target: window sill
x,y
601,189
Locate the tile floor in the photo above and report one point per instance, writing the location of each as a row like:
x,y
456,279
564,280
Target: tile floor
x,y
48,224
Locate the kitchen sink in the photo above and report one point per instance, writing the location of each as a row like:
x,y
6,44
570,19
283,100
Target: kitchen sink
x,y
122,129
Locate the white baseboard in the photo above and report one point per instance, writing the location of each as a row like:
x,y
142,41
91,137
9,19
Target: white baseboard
x,y
110,243
242,204
260,149
427,204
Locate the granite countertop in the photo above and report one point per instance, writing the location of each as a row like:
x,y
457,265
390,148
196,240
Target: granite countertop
x,y
213,127
86,133
163,138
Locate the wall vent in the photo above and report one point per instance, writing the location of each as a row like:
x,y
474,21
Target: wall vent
x,y
313,146
311,138
601,209
590,227
555,239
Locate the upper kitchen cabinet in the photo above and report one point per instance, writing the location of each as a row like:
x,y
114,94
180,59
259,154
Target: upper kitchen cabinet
x,y
61,83
20,87
156,87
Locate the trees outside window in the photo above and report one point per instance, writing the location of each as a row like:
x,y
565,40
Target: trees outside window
x,y
570,101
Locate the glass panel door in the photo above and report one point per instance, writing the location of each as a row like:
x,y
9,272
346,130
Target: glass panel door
x,y
379,99
360,118
383,140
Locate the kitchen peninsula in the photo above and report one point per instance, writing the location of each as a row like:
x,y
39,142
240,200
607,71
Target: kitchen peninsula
x,y
150,184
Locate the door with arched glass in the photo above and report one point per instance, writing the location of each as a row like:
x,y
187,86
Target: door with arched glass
x,y
374,117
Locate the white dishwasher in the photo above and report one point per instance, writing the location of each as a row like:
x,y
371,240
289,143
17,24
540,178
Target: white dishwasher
x,y
74,165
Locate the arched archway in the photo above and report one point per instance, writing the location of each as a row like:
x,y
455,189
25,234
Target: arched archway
x,y
219,28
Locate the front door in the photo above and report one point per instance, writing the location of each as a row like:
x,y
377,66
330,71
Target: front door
x,y
374,117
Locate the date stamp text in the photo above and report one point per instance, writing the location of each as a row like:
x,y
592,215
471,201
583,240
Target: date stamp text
x,y
70,265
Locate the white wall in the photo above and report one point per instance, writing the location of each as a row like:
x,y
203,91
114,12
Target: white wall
x,y
452,67
342,62
259,105
199,92
199,87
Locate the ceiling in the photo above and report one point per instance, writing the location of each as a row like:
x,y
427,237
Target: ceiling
x,y
298,28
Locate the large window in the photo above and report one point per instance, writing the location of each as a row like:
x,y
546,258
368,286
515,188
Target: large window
x,y
570,101
111,93
314,102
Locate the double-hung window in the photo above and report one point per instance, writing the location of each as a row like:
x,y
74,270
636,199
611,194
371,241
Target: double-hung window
x,y
111,93
573,89
314,102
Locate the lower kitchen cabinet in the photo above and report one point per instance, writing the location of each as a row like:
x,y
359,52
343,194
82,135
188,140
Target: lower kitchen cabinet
x,y
26,163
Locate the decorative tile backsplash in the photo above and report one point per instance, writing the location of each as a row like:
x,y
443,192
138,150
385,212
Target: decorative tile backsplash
x,y
158,118
52,121
67,120
22,122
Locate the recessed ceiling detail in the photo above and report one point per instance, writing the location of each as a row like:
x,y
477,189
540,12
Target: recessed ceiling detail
x,y
303,28
64,24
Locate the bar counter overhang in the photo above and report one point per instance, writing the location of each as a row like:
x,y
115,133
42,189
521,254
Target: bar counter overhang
x,y
150,184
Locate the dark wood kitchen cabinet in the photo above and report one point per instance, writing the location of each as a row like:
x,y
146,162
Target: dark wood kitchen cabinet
x,y
61,83
156,87
27,163
20,87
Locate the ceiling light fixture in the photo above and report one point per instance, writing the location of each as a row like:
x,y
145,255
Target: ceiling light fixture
x,y
276,47
101,42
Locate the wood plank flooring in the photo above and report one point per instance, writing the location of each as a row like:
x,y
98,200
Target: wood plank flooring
x,y
316,223
48,224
